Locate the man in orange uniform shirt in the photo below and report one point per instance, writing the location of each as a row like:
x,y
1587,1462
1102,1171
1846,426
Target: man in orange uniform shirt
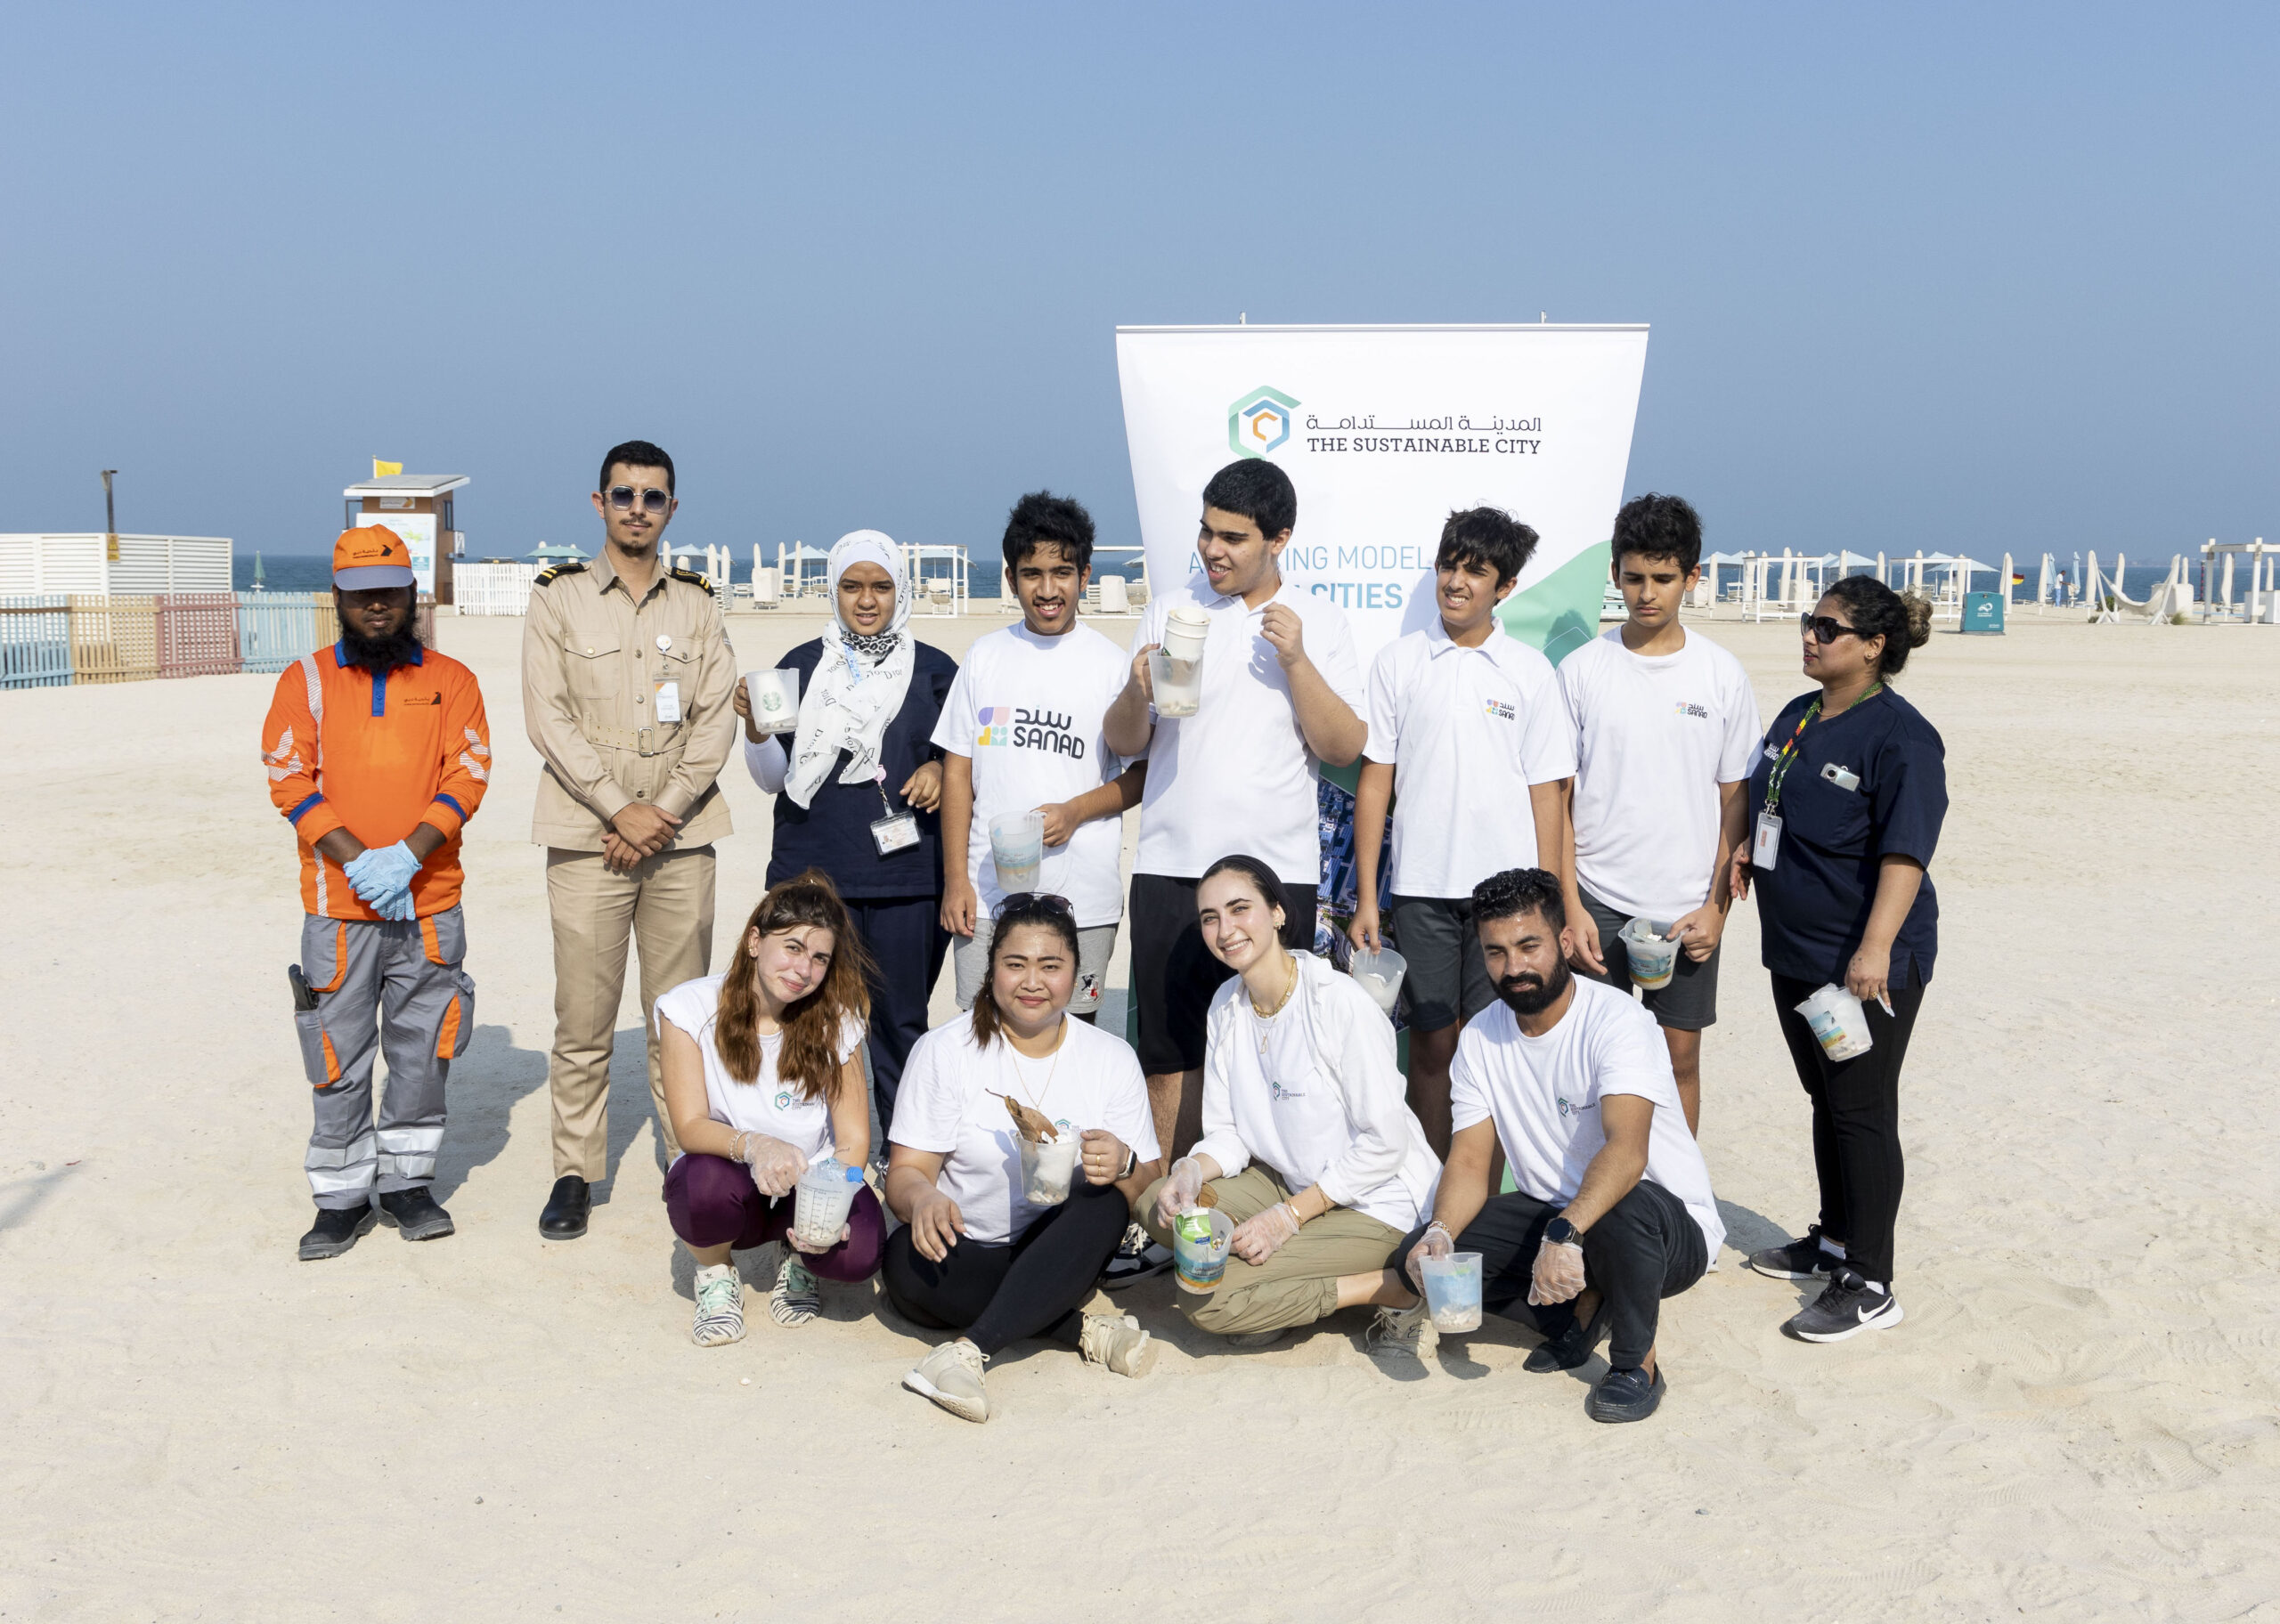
x,y
377,752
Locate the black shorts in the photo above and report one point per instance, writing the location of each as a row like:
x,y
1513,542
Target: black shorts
x,y
1448,981
1174,974
1689,1003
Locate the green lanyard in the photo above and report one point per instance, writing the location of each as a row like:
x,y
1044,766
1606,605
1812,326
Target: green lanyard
x,y
1788,752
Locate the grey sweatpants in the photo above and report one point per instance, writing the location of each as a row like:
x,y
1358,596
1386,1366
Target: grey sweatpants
x,y
382,987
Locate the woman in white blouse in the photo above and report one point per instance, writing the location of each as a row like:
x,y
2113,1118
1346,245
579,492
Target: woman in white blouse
x,y
1309,1142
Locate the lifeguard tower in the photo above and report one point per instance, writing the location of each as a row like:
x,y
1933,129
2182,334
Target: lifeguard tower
x,y
416,507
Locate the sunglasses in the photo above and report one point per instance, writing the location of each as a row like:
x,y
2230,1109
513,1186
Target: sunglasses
x,y
1825,631
1036,899
622,497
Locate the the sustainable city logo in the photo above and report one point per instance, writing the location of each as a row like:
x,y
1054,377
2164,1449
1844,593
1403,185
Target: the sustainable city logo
x,y
1259,423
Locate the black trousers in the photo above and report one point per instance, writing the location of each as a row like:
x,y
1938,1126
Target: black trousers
x,y
998,1295
905,937
1856,1122
1645,1247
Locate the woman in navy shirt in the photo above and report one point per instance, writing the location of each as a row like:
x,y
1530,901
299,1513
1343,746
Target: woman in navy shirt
x,y
857,794
1847,797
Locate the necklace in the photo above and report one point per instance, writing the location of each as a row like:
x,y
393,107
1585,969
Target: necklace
x,y
1265,1015
1037,1101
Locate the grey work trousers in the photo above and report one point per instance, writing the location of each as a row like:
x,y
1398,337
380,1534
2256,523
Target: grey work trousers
x,y
390,988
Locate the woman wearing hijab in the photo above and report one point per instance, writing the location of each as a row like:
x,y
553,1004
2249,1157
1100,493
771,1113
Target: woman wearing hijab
x,y
856,796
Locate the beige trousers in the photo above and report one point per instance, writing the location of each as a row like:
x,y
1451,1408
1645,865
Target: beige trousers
x,y
665,906
1299,1285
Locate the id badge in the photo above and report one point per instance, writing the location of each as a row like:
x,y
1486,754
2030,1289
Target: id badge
x,y
668,701
1768,844
897,832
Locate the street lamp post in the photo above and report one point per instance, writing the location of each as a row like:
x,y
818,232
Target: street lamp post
x,y
111,519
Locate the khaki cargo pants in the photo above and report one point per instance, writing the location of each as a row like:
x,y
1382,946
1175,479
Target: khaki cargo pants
x,y
1299,1285
665,907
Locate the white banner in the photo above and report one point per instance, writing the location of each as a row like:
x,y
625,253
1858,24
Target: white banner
x,y
1384,430
417,531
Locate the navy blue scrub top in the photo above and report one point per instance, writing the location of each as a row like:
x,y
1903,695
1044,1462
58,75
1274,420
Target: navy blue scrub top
x,y
833,832
1813,905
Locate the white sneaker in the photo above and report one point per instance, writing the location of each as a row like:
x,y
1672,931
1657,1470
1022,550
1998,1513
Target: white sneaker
x,y
796,1298
1402,1334
951,1375
719,1307
1119,1342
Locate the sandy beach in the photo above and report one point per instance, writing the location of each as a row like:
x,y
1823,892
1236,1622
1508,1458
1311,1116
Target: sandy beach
x,y
2079,1419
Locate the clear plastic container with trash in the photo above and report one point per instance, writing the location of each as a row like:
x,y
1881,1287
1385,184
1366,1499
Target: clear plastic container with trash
x,y
1453,1290
1049,1168
1653,956
821,1202
1017,849
775,697
1838,1022
1200,1238
1175,666
1379,973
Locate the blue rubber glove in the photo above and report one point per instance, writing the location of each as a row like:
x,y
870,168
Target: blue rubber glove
x,y
382,877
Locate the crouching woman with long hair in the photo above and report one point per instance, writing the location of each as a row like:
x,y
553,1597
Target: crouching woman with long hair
x,y
980,1256
763,1077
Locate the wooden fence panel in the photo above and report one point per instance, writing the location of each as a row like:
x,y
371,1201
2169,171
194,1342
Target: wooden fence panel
x,y
197,634
35,642
275,628
114,639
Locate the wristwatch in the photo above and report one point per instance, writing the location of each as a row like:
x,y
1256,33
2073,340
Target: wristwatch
x,y
1560,1232
1131,1160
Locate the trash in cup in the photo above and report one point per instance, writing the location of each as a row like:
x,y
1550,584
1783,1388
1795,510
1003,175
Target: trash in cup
x,y
775,697
1178,684
1653,959
1017,849
820,1205
1201,1236
1453,1291
1380,974
1049,1168
1840,1026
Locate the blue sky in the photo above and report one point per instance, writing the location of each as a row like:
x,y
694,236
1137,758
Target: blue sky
x,y
1996,276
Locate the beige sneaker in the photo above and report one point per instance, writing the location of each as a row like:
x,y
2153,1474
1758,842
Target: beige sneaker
x,y
1402,1333
719,1307
1119,1342
951,1375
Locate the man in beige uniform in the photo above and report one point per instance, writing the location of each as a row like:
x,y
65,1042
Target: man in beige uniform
x,y
627,682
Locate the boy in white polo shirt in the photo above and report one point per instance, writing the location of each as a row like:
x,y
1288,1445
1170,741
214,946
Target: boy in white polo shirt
x,y
1021,730
1666,732
1470,741
1281,694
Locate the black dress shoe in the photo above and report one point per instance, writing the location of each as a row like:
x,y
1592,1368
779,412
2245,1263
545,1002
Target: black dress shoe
x,y
414,1211
565,1217
336,1230
1571,1349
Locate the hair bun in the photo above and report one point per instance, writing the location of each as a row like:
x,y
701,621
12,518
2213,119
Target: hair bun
x,y
1919,609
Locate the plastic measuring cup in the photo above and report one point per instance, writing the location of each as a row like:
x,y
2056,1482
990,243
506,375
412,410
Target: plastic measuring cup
x,y
1453,1291
1178,684
1017,849
1380,975
775,697
1048,1169
1839,1023
1201,1236
825,1192
1653,961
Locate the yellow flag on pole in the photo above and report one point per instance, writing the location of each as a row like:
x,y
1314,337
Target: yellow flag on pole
x,y
383,470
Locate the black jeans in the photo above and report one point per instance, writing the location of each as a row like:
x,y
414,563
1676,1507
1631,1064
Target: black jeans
x,y
1856,1122
906,941
1645,1247
1000,1293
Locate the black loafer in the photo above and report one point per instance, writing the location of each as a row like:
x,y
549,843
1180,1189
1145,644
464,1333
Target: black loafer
x,y
415,1213
1626,1395
565,1217
336,1230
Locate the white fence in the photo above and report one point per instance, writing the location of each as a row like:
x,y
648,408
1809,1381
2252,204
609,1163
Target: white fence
x,y
492,586
44,564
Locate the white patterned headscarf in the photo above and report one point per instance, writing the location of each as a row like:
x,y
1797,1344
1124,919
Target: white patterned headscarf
x,y
859,683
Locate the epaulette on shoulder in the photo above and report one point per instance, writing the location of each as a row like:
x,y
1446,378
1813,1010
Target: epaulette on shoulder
x,y
553,570
691,577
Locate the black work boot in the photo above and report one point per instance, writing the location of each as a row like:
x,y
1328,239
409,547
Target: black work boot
x,y
565,1217
336,1230
415,1213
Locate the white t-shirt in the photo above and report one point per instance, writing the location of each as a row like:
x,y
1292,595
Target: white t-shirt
x,y
1237,775
767,1104
1466,731
1027,711
1544,1094
1286,1091
1655,737
952,1101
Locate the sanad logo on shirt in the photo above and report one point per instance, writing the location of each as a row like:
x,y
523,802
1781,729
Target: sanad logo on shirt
x,y
1027,728
1686,708
1501,711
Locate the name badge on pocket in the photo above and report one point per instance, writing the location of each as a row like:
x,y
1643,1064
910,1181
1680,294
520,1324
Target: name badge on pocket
x,y
1767,847
897,832
669,702
1841,777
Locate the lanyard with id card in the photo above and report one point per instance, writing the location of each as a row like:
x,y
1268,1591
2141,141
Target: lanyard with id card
x,y
897,831
1766,848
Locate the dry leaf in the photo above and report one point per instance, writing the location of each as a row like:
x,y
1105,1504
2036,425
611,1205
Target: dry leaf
x,y
1035,1125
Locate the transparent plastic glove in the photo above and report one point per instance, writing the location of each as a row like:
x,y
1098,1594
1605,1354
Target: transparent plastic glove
x,y
1182,1185
1559,1274
1436,1243
382,876
776,1166
1262,1235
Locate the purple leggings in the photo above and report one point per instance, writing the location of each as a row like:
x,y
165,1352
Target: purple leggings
x,y
711,1199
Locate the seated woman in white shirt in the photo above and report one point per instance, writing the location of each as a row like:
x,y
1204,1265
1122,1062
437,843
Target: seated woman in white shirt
x,y
979,1256
763,1077
1309,1142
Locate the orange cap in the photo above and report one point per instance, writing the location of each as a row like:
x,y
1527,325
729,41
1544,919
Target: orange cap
x,y
371,555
